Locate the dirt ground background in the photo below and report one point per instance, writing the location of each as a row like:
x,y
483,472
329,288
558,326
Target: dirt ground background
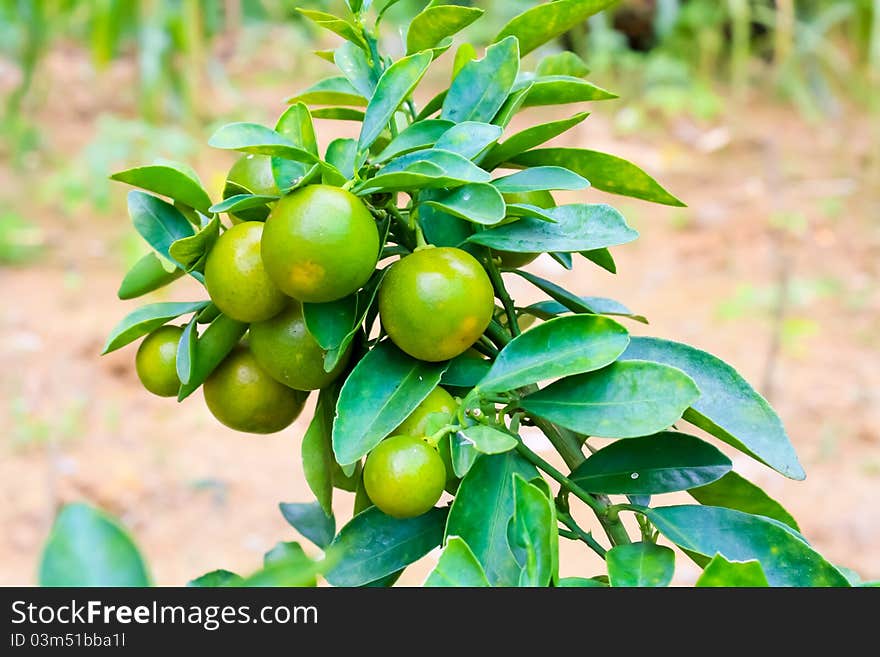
x,y
771,197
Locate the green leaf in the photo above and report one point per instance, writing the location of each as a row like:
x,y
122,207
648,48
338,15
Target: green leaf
x,y
394,87
426,169
342,154
317,450
148,274
558,348
538,25
529,138
158,222
335,24
733,491
286,565
465,371
640,564
296,125
384,387
481,87
562,63
192,251
366,298
147,318
578,227
441,228
786,558
580,582
489,440
338,114
417,136
86,547
352,61
563,89
374,545
260,140
528,210
463,454
240,202
186,350
210,350
457,567
590,305
177,182
531,533
623,400
435,23
606,172
663,463
330,91
432,106
539,179
216,578
482,509
480,203
605,260
729,408
311,521
464,54
469,138
511,106
329,323
721,572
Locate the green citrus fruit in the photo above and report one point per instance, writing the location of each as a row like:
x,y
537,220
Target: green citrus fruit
x,y
437,401
244,397
404,476
543,199
251,174
236,278
436,303
320,244
156,361
286,350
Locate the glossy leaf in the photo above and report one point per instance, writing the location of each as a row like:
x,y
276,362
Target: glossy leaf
x,y
338,114
215,579
177,182
662,463
192,251
538,25
186,351
721,572
211,348
311,521
640,564
366,298
428,168
580,583
330,91
563,89
342,154
463,454
435,23
432,106
317,453
623,400
158,222
352,61
441,228
528,210
329,323
240,202
729,408
605,260
529,138
733,491
335,24
465,371
384,387
557,348
512,105
147,318
480,203
395,86
415,137
606,172
260,140
593,305
578,228
481,87
489,440
786,558
482,509
296,125
285,565
86,547
532,533
374,545
457,567
540,179
562,63
469,138
146,275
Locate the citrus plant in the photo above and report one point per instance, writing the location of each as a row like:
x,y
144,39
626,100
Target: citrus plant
x,y
372,271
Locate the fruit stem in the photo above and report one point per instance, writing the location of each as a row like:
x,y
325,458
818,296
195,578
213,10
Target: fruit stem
x,y
501,293
435,438
497,334
598,508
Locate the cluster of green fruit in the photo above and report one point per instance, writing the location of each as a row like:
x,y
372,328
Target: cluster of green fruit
x,y
319,244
